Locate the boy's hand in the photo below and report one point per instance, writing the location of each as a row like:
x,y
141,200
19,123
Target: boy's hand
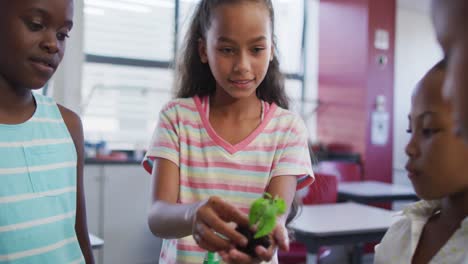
x,y
212,228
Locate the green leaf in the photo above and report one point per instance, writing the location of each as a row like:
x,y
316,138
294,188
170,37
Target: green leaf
x,y
267,222
256,210
280,205
263,213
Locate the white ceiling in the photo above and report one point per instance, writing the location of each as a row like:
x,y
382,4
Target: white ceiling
x,y
422,6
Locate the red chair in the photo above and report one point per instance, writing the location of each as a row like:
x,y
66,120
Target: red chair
x,y
339,147
345,171
316,147
323,190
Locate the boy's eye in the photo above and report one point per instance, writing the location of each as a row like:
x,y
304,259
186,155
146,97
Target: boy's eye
x,y
62,36
34,26
409,131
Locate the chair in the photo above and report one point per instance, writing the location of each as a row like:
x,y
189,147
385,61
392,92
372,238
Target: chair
x,y
345,171
323,190
339,147
317,152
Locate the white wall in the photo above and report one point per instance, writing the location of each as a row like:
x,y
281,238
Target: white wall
x,y
416,50
311,76
65,86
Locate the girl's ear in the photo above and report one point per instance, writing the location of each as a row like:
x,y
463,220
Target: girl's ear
x,y
202,50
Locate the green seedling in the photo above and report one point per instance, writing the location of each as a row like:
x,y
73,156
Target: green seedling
x,y
263,213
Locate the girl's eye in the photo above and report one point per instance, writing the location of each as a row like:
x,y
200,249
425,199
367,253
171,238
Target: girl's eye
x,y
427,132
227,50
409,131
34,26
62,36
258,49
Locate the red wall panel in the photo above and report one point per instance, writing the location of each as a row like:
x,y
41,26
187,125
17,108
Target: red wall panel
x,y
350,77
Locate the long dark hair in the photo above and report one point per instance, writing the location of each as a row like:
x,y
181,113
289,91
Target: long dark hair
x,y
294,211
195,78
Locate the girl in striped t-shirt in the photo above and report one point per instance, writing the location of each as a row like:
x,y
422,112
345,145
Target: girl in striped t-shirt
x,y
227,139
42,211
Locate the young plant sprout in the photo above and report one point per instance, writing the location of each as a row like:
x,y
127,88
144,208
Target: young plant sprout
x,y
262,216
263,213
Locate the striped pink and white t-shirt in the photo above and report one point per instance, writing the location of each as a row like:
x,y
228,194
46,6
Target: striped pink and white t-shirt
x,y
209,165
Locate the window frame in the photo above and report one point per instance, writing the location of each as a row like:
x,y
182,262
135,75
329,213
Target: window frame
x,y
299,76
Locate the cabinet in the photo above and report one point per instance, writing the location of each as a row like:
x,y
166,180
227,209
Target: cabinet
x,y
117,201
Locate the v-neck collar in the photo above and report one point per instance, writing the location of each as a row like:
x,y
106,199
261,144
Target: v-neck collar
x,y
202,105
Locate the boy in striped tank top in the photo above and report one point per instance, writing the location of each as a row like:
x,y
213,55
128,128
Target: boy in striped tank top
x,y
42,210
226,139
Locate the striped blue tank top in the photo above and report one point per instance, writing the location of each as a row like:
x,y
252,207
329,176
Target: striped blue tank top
x,y
38,189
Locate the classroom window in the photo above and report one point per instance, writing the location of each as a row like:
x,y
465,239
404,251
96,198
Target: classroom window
x,y
136,29
130,47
